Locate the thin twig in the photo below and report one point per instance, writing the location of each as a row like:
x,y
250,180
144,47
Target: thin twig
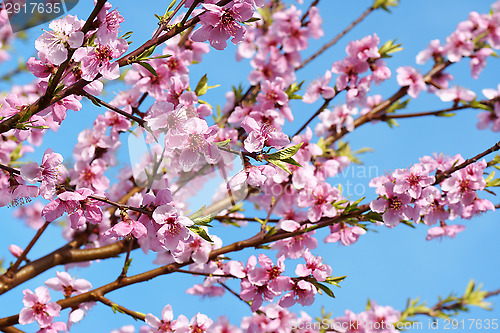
x,y
93,98
336,38
23,255
119,308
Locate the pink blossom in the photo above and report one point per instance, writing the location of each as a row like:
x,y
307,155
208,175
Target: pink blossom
x,y
456,94
334,120
408,76
459,44
434,50
432,206
40,68
65,31
73,203
37,306
364,49
48,173
302,292
319,87
272,94
222,325
478,61
58,326
462,185
320,200
381,319
345,234
221,23
440,162
314,24
294,247
314,266
444,230
197,141
412,181
269,273
15,250
167,323
68,285
97,60
395,207
125,228
200,323
109,25
262,135
173,226
90,175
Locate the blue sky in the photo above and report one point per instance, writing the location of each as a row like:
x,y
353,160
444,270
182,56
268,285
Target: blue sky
x,y
387,266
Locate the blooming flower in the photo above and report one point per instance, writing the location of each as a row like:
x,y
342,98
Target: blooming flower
x,y
444,230
167,323
408,76
314,267
395,207
220,23
47,172
262,135
174,226
68,285
37,306
65,32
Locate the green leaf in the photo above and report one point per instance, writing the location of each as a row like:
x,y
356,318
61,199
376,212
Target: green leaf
x,y
252,19
126,35
388,48
159,57
384,4
144,55
285,153
25,117
201,87
392,123
490,177
127,266
321,287
148,67
477,105
281,165
291,161
398,106
200,232
205,220
223,143
335,280
374,217
445,114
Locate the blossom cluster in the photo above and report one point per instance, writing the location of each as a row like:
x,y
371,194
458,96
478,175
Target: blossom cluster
x,y
412,194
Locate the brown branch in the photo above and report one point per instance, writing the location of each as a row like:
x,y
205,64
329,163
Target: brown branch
x,y
438,113
204,274
11,329
306,14
441,176
254,241
69,253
